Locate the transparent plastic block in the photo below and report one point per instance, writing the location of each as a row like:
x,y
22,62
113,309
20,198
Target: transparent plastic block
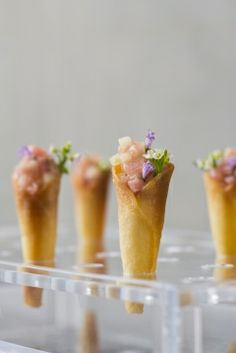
x,y
83,304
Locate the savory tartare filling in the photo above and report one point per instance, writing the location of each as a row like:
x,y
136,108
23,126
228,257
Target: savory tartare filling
x,y
221,166
88,169
137,162
36,169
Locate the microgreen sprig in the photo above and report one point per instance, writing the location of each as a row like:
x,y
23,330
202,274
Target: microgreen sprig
x,y
62,156
210,162
103,166
158,158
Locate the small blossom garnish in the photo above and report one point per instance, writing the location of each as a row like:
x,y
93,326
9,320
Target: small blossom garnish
x,y
148,168
103,166
149,139
231,162
158,158
62,156
24,151
211,161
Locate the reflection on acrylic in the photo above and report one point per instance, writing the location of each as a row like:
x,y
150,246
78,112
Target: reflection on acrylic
x,y
88,337
225,269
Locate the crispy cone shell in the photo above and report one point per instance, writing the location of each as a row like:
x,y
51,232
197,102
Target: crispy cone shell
x,y
141,219
37,215
222,213
88,336
90,206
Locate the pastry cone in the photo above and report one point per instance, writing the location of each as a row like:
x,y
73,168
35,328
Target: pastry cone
x,y
37,215
222,213
36,184
141,218
88,342
90,206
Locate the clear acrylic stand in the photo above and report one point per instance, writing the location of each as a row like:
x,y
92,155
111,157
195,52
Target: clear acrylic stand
x,y
83,303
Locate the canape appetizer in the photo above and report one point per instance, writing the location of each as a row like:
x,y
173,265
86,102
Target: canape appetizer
x,y
36,184
219,172
90,177
141,176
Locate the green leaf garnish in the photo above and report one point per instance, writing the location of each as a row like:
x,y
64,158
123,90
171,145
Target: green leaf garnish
x,y
62,156
159,159
210,162
103,166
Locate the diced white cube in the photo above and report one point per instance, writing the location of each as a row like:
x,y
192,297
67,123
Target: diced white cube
x,y
115,160
124,141
125,157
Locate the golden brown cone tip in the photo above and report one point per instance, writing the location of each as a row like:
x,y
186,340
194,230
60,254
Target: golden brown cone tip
x,y
225,269
134,308
222,214
90,205
33,295
141,219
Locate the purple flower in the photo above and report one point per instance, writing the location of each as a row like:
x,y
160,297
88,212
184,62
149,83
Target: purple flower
x,y
148,168
231,162
149,139
24,151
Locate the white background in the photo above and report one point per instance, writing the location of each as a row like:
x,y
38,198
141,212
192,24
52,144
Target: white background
x,y
94,70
